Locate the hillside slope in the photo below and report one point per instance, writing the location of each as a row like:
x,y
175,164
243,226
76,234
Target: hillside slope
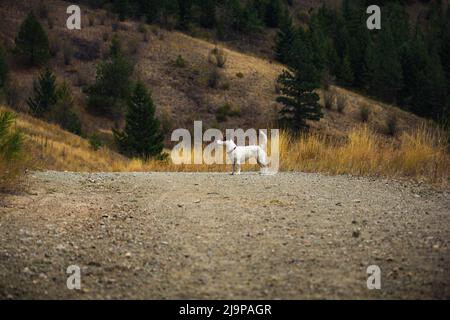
x,y
181,93
52,148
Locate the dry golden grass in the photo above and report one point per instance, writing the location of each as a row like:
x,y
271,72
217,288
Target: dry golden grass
x,y
52,148
419,155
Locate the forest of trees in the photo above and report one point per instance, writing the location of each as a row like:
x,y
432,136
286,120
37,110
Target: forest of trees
x,y
404,63
224,16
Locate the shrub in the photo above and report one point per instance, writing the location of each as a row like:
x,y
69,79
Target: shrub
x,y
364,113
10,139
14,94
225,85
105,36
328,99
240,75
392,125
218,57
86,50
214,78
67,53
341,103
225,111
82,78
142,28
180,62
54,46
115,26
43,10
11,143
94,142
133,47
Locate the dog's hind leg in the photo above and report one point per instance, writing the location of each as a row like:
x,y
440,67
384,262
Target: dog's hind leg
x,y
262,161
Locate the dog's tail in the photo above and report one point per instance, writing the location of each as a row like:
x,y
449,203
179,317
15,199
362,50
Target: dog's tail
x,y
262,140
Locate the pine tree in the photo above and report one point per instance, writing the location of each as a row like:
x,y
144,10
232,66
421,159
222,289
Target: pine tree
x,y
319,42
142,136
387,79
62,112
298,85
122,8
445,48
184,14
274,13
44,94
208,14
431,96
3,69
346,75
11,140
108,95
284,41
32,42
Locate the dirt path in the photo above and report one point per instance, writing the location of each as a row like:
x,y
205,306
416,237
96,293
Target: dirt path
x,y
172,235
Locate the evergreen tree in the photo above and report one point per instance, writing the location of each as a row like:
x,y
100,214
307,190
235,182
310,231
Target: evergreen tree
x,y
142,135
3,69
387,79
346,75
184,14
32,42
62,112
122,8
414,63
11,140
298,85
108,95
445,48
431,98
208,13
274,13
284,41
44,94
319,42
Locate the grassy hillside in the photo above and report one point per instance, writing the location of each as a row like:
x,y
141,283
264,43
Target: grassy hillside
x,y
181,92
420,155
176,67
52,148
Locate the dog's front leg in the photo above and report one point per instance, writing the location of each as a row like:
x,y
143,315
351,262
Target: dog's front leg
x,y
238,164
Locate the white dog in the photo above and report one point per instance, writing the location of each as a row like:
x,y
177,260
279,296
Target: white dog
x,y
239,154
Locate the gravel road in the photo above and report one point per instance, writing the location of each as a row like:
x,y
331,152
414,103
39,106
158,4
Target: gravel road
x,y
212,235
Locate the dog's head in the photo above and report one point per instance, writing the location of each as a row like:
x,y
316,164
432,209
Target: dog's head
x,y
229,144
